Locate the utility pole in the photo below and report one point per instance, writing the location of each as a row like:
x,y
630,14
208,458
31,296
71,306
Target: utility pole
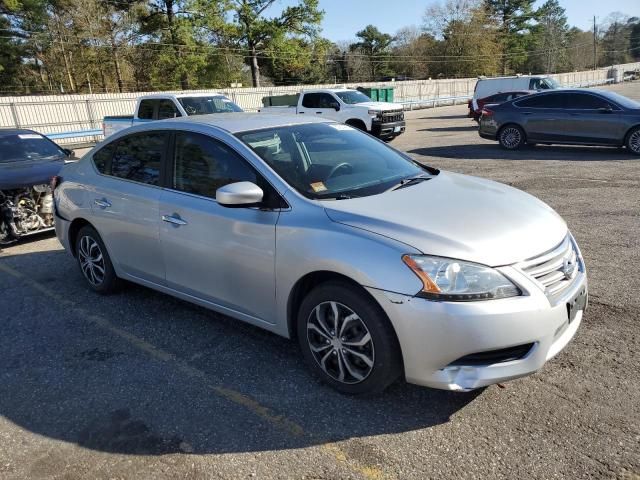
x,y
595,44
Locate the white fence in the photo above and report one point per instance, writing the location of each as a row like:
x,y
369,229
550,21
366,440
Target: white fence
x,y
69,113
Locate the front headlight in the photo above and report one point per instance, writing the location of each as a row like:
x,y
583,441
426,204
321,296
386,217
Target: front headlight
x,y
454,280
375,113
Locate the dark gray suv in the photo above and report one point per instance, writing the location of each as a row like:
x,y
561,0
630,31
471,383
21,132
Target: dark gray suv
x,y
576,117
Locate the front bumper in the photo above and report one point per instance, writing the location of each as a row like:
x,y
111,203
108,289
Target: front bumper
x,y
388,129
434,335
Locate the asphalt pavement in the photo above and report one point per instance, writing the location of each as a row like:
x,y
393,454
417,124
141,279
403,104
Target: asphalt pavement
x,y
139,385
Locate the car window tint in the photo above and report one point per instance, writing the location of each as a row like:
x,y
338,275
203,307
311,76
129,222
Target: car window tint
x,y
139,157
145,110
317,100
541,101
167,109
584,101
102,159
202,165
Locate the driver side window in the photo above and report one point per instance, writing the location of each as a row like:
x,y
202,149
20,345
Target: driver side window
x,y
202,165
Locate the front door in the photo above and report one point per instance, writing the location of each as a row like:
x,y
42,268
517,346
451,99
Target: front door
x,y
320,104
215,253
592,119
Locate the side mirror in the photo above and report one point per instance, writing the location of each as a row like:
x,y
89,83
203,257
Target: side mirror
x,y
335,106
239,194
607,109
68,152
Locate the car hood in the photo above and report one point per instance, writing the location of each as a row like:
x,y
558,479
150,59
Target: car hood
x,y
27,173
458,216
382,106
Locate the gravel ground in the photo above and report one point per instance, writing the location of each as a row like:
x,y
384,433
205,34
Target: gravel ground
x,y
139,385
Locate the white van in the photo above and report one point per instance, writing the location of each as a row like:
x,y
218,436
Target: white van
x,y
490,86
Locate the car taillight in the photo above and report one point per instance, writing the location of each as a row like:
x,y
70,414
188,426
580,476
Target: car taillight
x,y
55,181
487,113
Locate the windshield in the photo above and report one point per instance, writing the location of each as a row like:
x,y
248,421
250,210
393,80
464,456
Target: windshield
x,y
27,146
206,105
620,100
549,84
331,160
351,97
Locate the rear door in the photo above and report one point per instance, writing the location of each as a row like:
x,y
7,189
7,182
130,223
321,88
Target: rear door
x,y
124,202
542,116
592,119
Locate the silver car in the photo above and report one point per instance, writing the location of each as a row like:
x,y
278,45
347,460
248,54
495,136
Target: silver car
x,y
380,267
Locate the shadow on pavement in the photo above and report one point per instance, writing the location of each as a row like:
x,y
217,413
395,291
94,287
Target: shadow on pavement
x,y
156,375
492,151
468,128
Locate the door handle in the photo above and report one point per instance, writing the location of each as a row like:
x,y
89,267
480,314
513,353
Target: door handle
x,y
174,220
319,113
102,203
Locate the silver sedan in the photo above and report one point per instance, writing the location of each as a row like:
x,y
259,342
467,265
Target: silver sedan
x,y
382,268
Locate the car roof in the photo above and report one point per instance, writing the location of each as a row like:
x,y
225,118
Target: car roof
x,y
244,121
180,95
15,131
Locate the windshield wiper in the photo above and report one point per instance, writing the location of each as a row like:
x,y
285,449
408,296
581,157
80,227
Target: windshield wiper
x,y
407,182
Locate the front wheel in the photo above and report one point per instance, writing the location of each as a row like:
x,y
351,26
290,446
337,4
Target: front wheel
x,y
347,340
633,141
511,137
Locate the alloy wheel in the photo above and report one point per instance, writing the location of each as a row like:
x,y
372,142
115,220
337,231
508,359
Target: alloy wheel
x,y
634,142
511,137
340,342
91,261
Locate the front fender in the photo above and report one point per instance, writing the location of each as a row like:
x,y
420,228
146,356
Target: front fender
x,y
320,244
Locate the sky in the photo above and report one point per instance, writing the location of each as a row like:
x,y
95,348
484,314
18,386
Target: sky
x,y
343,18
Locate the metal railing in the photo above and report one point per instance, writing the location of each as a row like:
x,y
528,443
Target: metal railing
x,y
77,119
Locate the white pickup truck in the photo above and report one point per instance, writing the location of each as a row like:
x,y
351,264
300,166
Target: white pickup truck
x,y
167,105
384,120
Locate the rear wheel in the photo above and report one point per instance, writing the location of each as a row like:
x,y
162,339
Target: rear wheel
x,y
633,141
347,340
94,261
511,137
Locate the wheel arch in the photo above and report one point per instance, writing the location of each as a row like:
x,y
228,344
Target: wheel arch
x,y
74,229
628,132
310,281
357,123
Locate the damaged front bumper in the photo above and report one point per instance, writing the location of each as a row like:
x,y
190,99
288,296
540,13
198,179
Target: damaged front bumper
x,y
467,345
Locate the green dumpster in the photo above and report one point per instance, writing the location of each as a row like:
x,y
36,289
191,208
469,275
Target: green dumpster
x,y
382,94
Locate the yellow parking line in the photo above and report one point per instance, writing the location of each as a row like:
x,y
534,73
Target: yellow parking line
x,y
280,421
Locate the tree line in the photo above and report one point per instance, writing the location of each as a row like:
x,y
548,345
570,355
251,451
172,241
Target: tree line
x,y
136,45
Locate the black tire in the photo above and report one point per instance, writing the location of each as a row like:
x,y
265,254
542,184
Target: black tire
x,y
89,243
383,351
511,137
633,141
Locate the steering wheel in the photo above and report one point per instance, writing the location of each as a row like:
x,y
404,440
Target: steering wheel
x,y
338,167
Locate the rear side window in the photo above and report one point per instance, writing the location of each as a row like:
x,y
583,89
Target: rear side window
x,y
102,159
541,101
202,165
137,158
145,110
584,101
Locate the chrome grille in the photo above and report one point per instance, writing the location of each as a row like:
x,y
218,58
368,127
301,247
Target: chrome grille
x,y
556,269
393,116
